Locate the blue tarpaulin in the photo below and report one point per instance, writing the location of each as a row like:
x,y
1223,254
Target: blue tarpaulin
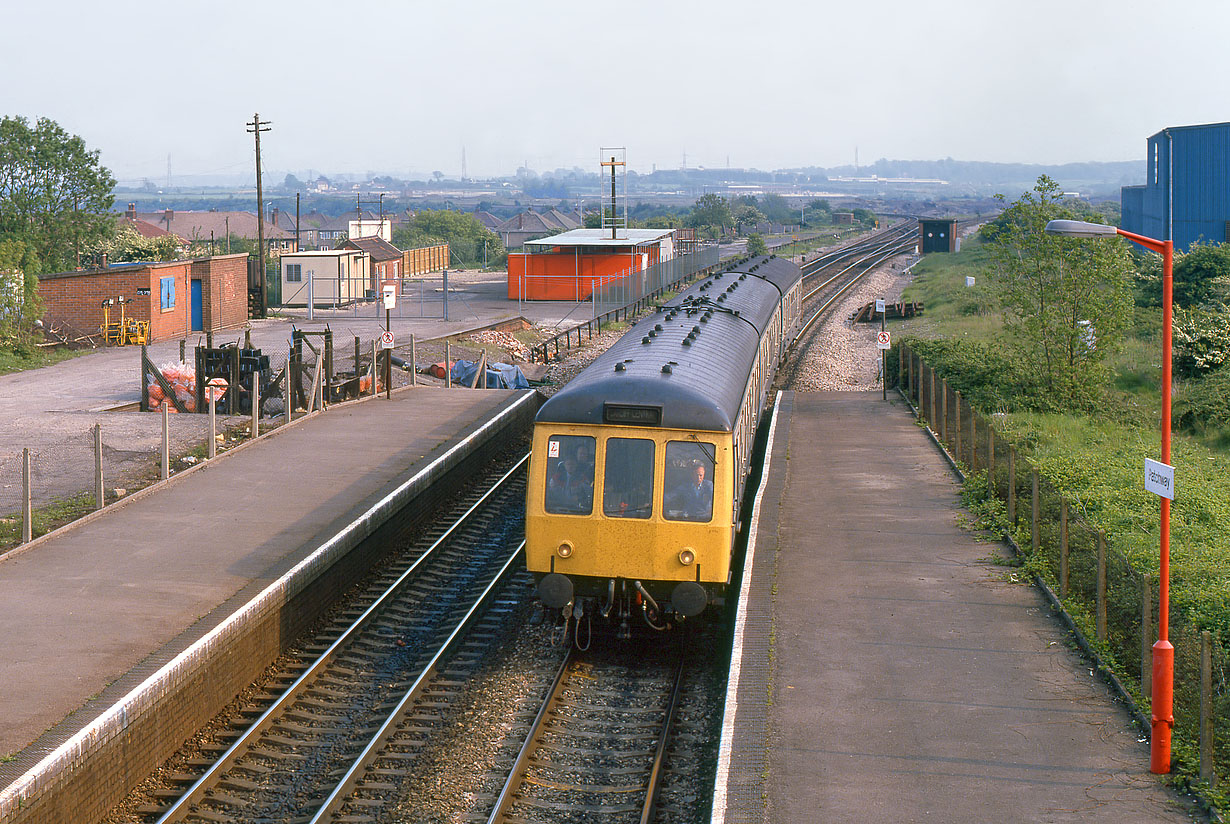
x,y
499,375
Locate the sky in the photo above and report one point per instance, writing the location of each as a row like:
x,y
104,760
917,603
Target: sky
x,y
403,88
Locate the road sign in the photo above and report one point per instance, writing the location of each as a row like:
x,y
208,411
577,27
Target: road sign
x,y
390,295
386,340
1159,478
215,388
884,340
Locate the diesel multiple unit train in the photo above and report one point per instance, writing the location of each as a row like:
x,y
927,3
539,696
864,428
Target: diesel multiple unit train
x,y
638,464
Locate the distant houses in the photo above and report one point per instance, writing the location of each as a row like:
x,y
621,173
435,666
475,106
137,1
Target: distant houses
x,y
530,225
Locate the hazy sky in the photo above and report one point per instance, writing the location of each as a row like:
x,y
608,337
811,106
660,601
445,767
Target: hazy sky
x,y
403,86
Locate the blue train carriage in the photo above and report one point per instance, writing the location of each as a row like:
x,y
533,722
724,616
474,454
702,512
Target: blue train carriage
x,y
639,463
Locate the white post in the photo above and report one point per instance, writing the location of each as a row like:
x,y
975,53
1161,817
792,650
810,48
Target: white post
x,y
256,404
166,443
211,449
286,383
311,299
99,496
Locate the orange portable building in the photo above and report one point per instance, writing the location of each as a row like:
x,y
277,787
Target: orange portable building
x,y
569,266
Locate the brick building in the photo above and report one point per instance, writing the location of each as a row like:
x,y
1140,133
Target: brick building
x,y
176,297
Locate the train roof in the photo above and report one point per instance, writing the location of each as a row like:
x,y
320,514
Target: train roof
x,y
686,365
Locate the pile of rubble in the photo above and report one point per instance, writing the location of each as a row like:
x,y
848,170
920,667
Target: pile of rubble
x,y
516,350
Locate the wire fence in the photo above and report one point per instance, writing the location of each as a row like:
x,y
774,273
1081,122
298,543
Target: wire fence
x,y
319,297
1109,600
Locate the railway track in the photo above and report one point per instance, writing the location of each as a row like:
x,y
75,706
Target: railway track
x,y
373,684
829,277
596,747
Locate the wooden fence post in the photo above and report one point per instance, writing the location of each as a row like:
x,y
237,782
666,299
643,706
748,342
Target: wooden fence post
x,y
1033,528
944,411
27,495
957,426
1012,485
1063,548
931,404
973,440
1101,596
448,365
1206,707
414,376
100,497
1146,634
991,459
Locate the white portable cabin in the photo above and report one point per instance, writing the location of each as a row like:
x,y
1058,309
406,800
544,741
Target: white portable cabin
x,y
336,277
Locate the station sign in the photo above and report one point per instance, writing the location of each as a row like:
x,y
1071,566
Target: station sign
x,y
1159,478
884,340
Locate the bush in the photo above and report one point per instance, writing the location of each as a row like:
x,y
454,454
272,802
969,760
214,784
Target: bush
x,y
1205,403
1201,340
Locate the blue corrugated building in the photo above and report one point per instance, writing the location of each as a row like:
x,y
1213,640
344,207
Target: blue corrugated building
x,y
1186,196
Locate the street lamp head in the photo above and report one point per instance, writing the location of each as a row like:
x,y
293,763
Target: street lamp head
x,y
1079,228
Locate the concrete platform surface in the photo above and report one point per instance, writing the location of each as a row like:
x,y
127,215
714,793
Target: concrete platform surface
x,y
82,607
912,678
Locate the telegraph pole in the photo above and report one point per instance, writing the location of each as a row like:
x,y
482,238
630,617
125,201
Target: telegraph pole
x,y
255,128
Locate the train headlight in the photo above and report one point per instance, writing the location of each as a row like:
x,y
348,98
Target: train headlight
x,y
686,556
564,550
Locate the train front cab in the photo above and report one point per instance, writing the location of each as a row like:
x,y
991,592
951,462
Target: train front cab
x,y
623,504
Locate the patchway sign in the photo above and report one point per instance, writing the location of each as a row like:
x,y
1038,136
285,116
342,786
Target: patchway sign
x,y
1159,478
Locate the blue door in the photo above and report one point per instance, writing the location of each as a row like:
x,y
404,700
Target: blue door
x,y
198,320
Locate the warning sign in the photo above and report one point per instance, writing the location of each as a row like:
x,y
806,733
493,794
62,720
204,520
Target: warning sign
x,y
386,340
552,449
884,340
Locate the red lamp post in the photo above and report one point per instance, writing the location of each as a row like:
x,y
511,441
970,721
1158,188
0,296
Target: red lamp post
x,y
1163,652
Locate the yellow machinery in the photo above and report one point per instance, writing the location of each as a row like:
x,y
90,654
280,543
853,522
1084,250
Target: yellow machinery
x,y
124,331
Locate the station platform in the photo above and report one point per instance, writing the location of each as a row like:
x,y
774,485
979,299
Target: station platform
x,y
887,669
179,592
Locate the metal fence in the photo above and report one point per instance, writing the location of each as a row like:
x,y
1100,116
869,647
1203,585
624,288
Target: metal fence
x,y
320,297
621,297
1111,601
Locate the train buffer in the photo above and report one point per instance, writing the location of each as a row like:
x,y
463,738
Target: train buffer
x,y
867,312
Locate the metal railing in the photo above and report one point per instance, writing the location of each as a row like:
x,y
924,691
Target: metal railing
x,y
626,295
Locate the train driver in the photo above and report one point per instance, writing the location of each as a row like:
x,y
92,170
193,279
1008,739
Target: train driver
x,y
693,499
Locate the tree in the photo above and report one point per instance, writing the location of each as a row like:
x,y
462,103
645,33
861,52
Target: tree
x,y
1066,301
711,211
820,205
127,244
744,215
465,235
777,209
19,303
756,245
55,198
293,184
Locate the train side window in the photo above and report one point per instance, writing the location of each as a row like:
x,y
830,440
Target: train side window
x,y
627,479
688,491
570,475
